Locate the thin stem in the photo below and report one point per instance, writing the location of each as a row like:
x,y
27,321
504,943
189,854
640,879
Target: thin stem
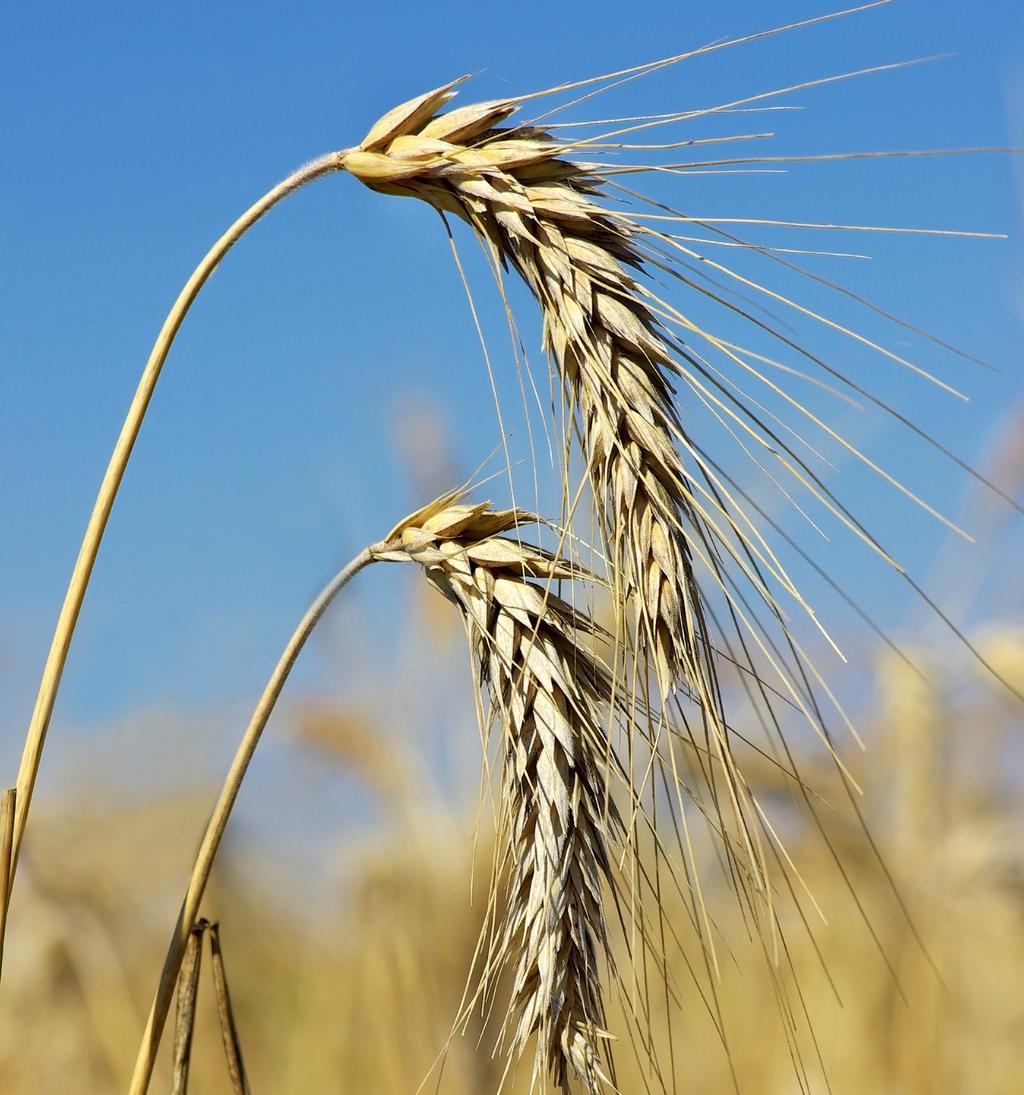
x,y
64,630
218,821
228,1026
8,802
188,996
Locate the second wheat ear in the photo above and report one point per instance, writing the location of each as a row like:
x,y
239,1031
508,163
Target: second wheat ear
x,y
549,700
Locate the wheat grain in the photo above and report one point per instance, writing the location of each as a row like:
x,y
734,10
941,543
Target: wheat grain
x,y
548,694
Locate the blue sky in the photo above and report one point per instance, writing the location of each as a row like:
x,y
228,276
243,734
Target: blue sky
x,y
278,440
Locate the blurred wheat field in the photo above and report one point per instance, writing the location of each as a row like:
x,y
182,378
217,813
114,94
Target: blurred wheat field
x,y
357,992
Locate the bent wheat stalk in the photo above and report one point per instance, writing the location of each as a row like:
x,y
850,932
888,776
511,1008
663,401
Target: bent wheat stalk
x,y
548,694
79,582
146,1059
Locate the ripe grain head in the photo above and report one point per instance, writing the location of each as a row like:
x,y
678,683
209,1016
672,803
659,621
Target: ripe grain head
x,y
549,697
536,211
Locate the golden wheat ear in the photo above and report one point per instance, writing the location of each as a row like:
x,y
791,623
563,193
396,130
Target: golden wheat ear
x,y
548,696
535,210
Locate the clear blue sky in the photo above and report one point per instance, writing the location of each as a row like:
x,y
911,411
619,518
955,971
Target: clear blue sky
x,y
133,134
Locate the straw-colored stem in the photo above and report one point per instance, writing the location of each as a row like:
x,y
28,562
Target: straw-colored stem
x,y
79,582
218,821
8,802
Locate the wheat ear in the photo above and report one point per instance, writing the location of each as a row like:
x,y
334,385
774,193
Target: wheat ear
x,y
536,211
547,695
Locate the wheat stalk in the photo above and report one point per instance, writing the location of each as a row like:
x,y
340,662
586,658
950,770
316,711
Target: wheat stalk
x,y
78,583
548,693
146,1058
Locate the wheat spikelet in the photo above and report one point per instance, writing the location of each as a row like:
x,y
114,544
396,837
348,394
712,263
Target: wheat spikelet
x,y
536,211
547,694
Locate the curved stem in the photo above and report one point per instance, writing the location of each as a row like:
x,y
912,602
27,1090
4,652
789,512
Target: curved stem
x,y
218,821
64,630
